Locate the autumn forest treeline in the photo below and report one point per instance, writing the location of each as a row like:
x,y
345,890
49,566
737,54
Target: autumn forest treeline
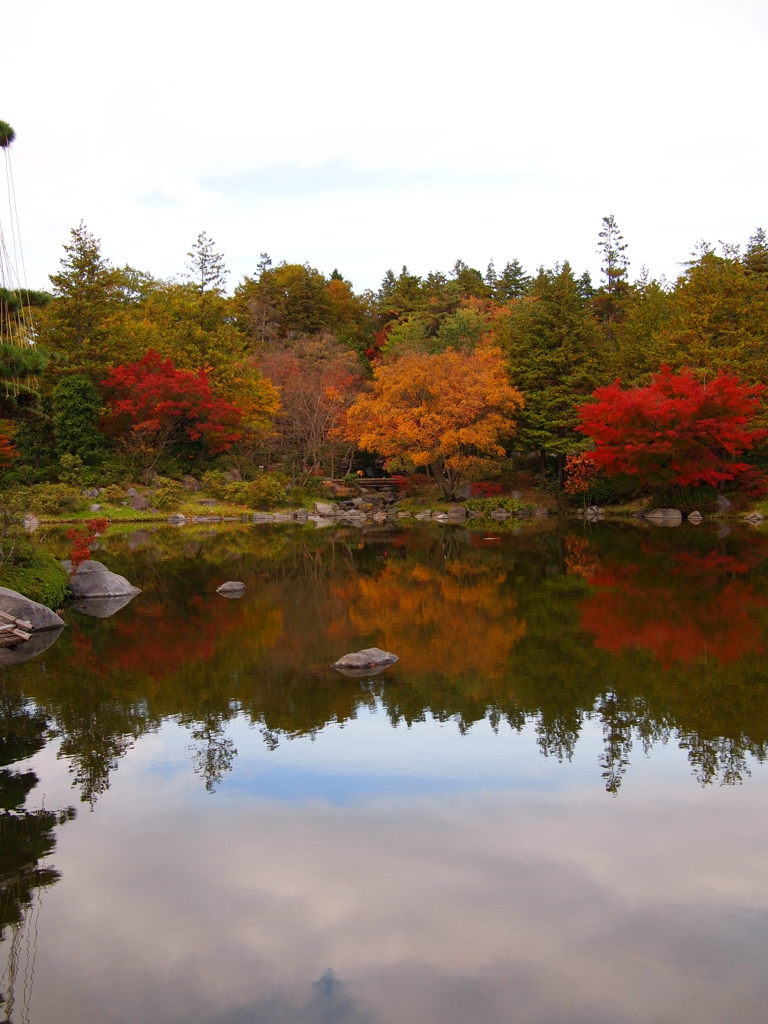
x,y
462,374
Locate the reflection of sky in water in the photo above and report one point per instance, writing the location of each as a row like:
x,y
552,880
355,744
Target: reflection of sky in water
x,y
440,877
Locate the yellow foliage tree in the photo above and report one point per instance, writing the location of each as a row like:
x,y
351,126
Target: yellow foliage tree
x,y
449,413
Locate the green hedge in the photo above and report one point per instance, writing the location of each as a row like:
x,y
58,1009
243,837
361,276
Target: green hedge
x,y
488,505
42,579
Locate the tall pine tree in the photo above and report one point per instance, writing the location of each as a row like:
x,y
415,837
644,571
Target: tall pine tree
x,y
553,344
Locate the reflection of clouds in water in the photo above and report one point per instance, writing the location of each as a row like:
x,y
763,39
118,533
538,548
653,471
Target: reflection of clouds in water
x,y
328,1004
493,908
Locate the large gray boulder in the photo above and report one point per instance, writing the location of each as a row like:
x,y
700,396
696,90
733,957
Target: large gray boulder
x,y
371,661
723,504
324,509
93,579
20,607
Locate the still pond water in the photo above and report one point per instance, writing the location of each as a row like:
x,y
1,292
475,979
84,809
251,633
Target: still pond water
x,y
551,810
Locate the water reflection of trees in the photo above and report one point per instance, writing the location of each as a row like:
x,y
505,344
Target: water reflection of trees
x,y
26,838
657,636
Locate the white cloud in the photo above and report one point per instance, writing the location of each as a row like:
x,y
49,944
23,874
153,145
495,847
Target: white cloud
x,y
368,135
510,904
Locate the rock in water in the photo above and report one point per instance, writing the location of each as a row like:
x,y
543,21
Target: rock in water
x,y
93,579
31,523
755,518
41,641
695,518
665,517
364,663
20,607
101,607
323,509
232,588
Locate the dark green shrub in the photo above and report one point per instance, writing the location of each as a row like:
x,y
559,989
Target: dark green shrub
x,y
238,492
169,496
114,470
113,494
615,491
19,475
214,483
42,578
488,505
297,495
76,408
71,470
54,499
696,499
266,492
314,487
35,441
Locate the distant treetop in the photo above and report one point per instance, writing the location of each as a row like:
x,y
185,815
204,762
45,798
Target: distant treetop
x,y
7,134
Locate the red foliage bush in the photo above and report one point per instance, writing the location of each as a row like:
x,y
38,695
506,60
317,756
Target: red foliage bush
x,y
485,489
7,452
678,431
162,405
82,538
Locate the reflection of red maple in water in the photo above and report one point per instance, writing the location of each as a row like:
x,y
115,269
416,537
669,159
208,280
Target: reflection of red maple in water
x,y
157,645
680,613
718,626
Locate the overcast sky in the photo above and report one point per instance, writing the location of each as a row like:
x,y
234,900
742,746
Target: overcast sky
x,y
366,135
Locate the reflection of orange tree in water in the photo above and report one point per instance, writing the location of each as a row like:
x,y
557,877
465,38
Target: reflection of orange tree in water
x,y
461,622
494,633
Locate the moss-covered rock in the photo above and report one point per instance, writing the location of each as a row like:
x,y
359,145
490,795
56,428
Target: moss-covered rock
x,y
42,579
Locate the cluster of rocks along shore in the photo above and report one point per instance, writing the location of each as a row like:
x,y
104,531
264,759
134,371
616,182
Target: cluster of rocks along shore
x,y
371,508
672,516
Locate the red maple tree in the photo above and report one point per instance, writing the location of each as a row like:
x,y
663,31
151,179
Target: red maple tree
x,y
677,431
7,452
82,538
162,405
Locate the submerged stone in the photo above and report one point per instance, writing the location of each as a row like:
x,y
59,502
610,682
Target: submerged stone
x,y
367,662
232,588
665,517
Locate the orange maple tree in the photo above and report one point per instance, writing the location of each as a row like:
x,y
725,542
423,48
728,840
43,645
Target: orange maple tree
x,y
449,413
